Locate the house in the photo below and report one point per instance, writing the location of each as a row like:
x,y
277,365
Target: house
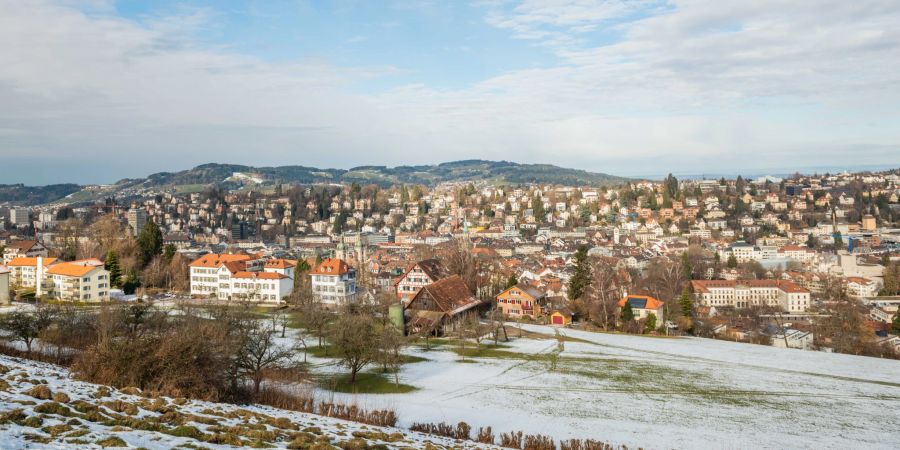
x,y
644,305
4,285
787,295
792,338
440,307
23,249
25,272
418,276
77,281
334,282
859,287
240,276
522,300
561,317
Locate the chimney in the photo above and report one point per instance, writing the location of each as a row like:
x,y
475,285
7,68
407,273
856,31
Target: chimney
x,y
39,277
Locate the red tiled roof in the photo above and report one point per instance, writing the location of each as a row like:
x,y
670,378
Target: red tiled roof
x,y
784,285
331,266
213,260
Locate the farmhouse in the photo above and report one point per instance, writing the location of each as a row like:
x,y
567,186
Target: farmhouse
x,y
440,307
521,300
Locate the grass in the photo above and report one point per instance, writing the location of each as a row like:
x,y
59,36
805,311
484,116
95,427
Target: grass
x,y
366,383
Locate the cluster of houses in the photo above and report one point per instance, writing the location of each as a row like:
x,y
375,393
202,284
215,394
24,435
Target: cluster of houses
x,y
768,242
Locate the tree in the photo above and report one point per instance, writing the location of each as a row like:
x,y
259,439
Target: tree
x,y
169,251
895,324
354,336
732,262
512,281
650,324
260,353
112,265
131,282
891,280
26,327
150,243
582,276
627,313
686,266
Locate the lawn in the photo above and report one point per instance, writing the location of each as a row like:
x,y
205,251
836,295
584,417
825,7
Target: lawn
x,y
366,383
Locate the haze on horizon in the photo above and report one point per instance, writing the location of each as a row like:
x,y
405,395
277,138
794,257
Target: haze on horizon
x,y
99,90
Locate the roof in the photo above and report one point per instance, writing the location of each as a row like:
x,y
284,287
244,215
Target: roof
x,y
259,275
75,268
531,291
213,260
23,245
433,268
703,286
331,266
279,264
451,295
641,302
30,262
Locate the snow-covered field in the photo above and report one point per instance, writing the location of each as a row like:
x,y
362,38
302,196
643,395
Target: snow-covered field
x,y
656,392
86,419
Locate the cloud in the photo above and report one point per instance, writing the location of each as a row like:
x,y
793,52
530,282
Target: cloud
x,y
682,83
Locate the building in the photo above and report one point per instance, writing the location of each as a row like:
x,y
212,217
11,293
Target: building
x,y
440,307
26,271
783,294
23,249
644,305
561,317
137,218
4,285
77,281
859,287
792,338
868,223
421,274
19,216
334,282
522,300
241,277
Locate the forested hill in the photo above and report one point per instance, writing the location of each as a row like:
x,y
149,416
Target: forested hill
x,y
207,174
470,170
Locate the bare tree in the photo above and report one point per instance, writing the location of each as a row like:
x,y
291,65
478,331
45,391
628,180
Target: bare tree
x,y
260,352
355,338
25,327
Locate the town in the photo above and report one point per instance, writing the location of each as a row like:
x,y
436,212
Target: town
x,y
767,260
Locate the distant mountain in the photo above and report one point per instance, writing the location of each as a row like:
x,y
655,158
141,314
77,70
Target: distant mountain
x,y
470,170
207,174
34,195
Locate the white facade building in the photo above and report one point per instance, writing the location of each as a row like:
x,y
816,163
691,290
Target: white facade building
x,y
334,282
783,294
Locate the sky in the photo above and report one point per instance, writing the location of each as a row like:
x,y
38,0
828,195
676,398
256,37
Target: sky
x,y
93,91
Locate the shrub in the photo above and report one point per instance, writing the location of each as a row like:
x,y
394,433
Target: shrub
x,y
40,392
61,397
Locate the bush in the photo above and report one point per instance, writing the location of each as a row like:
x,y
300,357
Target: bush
x,y
40,392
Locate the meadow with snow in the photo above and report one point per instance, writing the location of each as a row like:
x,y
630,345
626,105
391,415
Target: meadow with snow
x,y
651,392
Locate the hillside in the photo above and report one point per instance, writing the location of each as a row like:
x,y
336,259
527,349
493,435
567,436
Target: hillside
x,y
234,174
652,392
41,407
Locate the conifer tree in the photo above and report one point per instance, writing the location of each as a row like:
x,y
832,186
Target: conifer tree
x,y
112,265
685,302
582,277
150,243
627,313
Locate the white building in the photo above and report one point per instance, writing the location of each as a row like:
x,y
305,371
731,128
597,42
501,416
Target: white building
x,y
4,285
78,281
783,294
24,271
19,216
241,277
334,282
792,338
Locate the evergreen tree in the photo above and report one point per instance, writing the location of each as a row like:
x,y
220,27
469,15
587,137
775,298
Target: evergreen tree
x,y
686,267
150,243
732,261
650,324
537,207
112,265
895,324
169,251
131,282
685,302
627,313
582,276
512,281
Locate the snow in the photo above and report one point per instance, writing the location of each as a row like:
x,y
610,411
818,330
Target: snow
x,y
658,393
24,374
